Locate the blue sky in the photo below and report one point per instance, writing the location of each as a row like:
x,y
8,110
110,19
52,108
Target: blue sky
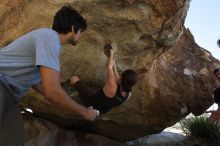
x,y
203,20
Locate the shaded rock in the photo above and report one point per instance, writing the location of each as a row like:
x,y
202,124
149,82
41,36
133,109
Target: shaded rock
x,y
43,133
175,73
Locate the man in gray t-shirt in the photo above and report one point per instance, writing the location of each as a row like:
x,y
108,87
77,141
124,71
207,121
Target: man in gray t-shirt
x,y
33,60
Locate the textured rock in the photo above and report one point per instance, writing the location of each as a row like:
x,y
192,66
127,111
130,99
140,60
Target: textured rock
x,y
175,73
43,133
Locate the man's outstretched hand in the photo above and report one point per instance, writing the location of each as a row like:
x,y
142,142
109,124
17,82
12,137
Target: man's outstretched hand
x,y
91,114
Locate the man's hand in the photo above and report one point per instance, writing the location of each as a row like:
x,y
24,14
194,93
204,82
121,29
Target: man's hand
x,y
91,114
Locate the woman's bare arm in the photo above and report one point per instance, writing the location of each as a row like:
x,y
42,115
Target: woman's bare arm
x,y
117,77
110,86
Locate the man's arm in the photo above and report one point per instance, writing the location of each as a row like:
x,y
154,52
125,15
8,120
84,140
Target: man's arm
x,y
53,91
38,88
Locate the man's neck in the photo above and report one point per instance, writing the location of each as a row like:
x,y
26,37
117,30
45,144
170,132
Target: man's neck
x,y
62,38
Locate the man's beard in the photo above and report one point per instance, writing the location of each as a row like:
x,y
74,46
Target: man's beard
x,y
73,42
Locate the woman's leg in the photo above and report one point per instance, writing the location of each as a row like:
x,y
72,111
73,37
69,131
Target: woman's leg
x,y
83,90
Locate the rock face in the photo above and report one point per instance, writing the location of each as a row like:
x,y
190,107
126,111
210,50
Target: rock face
x,y
43,133
175,73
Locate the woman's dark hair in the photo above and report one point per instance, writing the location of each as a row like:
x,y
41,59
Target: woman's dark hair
x,y
128,79
67,17
217,95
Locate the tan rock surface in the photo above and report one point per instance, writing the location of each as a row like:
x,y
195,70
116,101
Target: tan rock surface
x,y
176,76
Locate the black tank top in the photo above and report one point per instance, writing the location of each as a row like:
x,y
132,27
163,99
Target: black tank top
x,y
103,103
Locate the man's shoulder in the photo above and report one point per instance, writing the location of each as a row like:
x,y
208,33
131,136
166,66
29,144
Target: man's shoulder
x,y
44,31
45,34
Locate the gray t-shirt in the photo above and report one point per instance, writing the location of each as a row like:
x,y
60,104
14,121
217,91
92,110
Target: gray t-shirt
x,y
20,60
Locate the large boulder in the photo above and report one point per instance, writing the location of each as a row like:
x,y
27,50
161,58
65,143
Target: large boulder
x,y
41,132
175,73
